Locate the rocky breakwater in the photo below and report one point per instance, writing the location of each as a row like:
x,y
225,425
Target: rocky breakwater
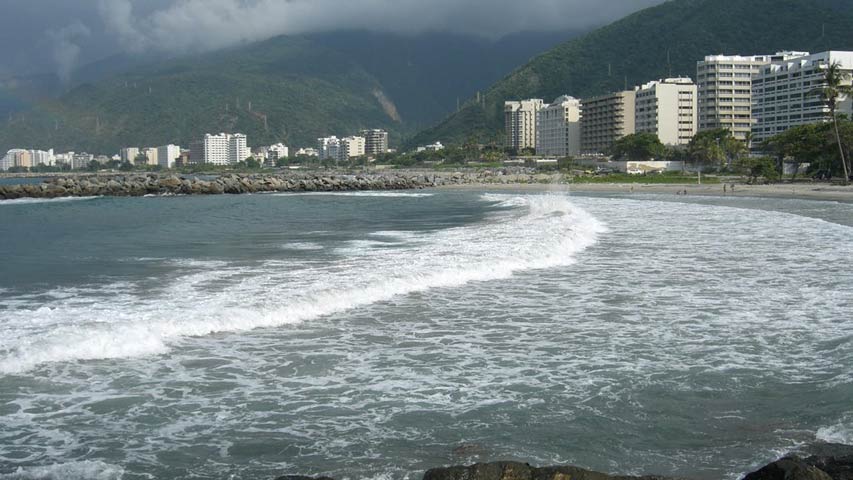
x,y
823,461
152,184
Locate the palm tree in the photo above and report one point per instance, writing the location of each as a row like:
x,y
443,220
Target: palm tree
x,y
832,92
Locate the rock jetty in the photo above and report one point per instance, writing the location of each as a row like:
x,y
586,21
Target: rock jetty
x,y
152,184
136,185
823,461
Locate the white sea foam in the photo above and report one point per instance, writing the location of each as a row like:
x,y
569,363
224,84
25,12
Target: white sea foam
x,y
544,232
840,432
36,201
302,246
370,193
86,470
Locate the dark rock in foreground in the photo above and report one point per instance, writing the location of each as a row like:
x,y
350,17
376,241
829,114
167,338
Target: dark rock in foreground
x,y
522,471
824,461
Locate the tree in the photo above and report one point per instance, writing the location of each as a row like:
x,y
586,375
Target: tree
x,y
800,144
760,167
140,159
715,147
638,147
833,91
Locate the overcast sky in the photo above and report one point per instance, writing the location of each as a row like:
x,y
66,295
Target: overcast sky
x,y
59,35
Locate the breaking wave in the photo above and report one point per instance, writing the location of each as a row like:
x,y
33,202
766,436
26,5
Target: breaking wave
x,y
525,233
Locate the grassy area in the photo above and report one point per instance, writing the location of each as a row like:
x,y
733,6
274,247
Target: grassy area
x,y
675,178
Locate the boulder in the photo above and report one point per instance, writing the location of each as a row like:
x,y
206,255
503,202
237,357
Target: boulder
x,y
521,471
788,468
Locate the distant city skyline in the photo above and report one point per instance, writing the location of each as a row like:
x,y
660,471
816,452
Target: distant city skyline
x,y
60,35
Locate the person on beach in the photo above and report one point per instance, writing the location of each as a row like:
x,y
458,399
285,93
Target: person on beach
x,y
724,189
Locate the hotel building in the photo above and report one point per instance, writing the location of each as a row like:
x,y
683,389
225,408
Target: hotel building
x,y
668,109
520,122
558,128
784,93
725,90
606,118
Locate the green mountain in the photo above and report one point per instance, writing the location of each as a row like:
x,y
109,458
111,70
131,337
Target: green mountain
x,y
658,42
290,89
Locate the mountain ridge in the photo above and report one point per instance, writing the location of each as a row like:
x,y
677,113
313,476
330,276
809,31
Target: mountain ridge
x,y
301,87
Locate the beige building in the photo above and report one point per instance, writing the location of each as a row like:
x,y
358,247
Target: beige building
x,y
352,147
783,93
668,109
606,118
151,154
520,122
725,90
558,128
376,141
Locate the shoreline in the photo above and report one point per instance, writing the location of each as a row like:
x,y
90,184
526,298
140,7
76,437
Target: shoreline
x,y
170,184
831,193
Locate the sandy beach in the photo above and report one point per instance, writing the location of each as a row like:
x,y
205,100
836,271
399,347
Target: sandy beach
x,y
825,192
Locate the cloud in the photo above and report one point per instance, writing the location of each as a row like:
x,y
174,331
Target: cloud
x,y
66,47
199,25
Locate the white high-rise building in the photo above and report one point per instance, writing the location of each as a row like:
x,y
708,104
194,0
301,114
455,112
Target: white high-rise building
x,y
725,90
520,122
224,149
668,109
40,157
279,150
352,147
329,148
167,154
216,149
783,93
238,149
6,162
558,128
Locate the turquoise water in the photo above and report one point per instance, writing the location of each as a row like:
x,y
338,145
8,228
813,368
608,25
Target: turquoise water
x,y
375,335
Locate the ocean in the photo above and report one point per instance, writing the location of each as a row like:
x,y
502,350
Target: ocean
x,y
377,334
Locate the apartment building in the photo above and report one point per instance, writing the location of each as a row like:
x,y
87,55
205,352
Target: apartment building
x,y
520,122
328,148
352,147
668,109
558,128
784,93
129,154
606,118
167,154
376,141
724,83
222,149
